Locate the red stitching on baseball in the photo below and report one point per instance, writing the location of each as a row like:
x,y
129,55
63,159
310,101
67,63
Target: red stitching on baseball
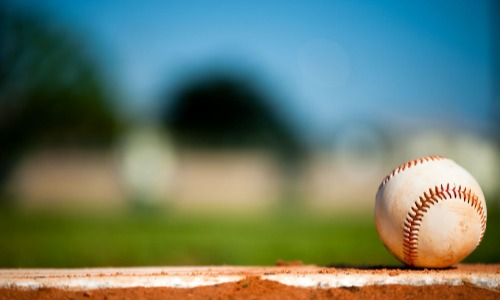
x,y
410,164
423,204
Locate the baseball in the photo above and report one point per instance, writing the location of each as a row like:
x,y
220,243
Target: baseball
x,y
430,212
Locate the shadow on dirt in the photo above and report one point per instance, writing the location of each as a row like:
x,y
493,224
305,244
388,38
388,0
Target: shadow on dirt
x,y
379,267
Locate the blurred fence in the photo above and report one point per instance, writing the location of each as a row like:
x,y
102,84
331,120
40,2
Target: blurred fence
x,y
155,174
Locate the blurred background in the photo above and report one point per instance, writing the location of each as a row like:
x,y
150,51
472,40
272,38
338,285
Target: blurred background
x,y
222,132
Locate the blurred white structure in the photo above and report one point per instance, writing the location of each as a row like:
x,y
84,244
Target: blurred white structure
x,y
146,161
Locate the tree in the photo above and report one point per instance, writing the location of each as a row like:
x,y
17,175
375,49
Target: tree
x,y
221,110
51,90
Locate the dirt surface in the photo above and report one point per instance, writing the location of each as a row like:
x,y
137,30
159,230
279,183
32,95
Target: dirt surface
x,y
255,288
261,283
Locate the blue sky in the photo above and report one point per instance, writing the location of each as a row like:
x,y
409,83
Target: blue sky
x,y
419,62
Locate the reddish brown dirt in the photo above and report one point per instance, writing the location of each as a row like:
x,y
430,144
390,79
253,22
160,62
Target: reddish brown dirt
x,y
254,288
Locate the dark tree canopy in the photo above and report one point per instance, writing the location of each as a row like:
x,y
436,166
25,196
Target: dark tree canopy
x,y
221,110
51,90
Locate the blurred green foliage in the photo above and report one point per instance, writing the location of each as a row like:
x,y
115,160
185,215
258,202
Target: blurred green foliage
x,y
53,240
52,91
223,109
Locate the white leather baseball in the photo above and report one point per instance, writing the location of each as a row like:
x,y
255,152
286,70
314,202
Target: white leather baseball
x,y
430,212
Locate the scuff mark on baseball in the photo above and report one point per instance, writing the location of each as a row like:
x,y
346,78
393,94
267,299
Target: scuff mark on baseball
x,y
430,212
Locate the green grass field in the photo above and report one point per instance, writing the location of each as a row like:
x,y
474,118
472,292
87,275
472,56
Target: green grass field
x,y
140,239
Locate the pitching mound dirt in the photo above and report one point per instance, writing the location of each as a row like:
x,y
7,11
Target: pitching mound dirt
x,y
281,282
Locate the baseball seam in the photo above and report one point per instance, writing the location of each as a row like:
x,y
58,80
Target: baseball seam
x,y
423,204
408,165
